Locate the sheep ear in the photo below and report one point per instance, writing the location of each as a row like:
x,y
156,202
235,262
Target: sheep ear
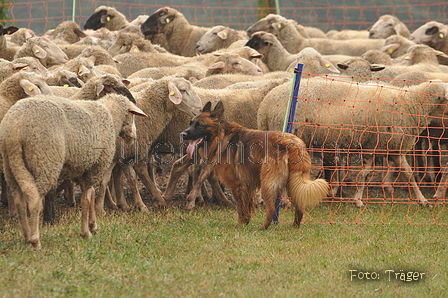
x,y
82,71
18,66
217,65
126,82
342,65
397,29
440,54
390,48
98,88
174,93
39,52
328,65
255,55
134,49
10,30
222,34
376,67
106,18
29,88
92,58
132,108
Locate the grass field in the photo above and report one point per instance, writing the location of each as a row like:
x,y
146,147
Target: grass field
x,y
179,253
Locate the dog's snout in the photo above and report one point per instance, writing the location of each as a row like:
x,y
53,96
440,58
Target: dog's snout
x,y
183,134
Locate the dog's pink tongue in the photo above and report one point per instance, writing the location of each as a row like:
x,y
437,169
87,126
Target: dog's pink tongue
x,y
191,147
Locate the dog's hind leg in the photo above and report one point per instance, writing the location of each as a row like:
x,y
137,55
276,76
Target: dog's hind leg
x,y
269,196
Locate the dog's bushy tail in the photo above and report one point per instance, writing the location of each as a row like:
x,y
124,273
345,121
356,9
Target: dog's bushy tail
x,y
305,192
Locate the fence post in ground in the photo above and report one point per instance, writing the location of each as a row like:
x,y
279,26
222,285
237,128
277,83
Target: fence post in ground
x,y
289,119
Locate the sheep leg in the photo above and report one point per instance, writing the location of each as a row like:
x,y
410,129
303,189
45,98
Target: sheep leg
x,y
118,186
20,205
142,171
86,199
133,183
92,215
4,196
49,212
99,204
69,194
34,206
441,188
367,167
177,169
407,172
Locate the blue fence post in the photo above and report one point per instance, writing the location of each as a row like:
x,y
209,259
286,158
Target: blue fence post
x,y
289,119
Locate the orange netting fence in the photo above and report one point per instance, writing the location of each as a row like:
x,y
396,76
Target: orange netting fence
x,y
381,147
239,14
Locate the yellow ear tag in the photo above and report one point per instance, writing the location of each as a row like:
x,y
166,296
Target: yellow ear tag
x,y
108,19
327,65
37,51
279,26
31,88
441,35
291,69
224,33
65,85
269,44
25,67
407,58
136,50
390,51
167,20
8,32
80,71
171,93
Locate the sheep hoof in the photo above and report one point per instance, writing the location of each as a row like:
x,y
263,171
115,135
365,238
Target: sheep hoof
x,y
190,205
143,209
359,203
93,228
86,235
35,243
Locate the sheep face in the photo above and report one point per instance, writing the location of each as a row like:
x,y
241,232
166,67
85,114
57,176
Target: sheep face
x,y
156,23
271,23
68,31
182,94
261,41
98,19
212,40
233,63
9,30
431,33
386,26
110,83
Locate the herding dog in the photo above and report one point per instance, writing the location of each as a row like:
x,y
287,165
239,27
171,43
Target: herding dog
x,y
246,160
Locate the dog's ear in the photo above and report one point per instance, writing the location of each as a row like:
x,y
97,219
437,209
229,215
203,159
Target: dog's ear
x,y
218,112
207,107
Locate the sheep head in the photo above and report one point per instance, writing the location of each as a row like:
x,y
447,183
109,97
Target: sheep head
x,y
98,19
156,23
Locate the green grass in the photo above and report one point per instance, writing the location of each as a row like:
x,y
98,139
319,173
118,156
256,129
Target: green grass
x,y
179,253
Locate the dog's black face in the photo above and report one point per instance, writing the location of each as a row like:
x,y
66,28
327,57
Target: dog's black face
x,y
203,127
156,22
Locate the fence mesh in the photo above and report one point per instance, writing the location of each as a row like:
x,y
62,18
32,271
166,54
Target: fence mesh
x,y
389,190
239,14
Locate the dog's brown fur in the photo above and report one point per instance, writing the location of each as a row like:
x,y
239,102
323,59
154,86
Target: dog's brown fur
x,y
247,160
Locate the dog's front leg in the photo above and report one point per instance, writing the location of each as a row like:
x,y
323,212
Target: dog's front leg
x,y
205,171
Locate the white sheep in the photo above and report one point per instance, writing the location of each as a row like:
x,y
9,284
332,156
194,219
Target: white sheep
x,y
219,37
388,25
44,139
433,34
180,35
277,58
45,50
347,34
158,100
396,46
68,32
376,120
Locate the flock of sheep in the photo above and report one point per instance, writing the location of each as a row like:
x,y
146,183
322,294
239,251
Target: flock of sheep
x,y
87,106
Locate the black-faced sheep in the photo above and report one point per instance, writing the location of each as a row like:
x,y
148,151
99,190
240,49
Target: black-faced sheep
x,y
107,17
7,52
44,139
180,35
374,119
